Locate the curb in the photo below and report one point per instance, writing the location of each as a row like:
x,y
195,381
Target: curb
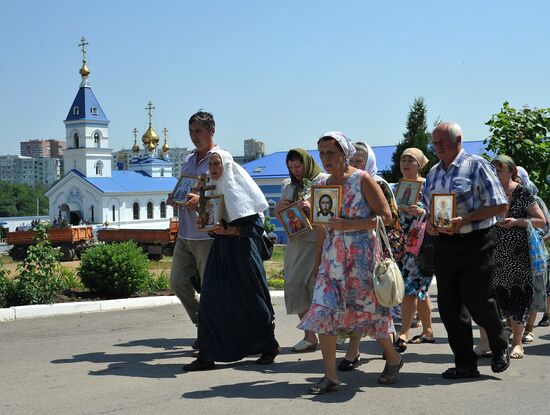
x,y
59,309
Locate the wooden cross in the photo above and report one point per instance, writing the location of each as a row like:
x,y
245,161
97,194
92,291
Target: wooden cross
x,y
201,187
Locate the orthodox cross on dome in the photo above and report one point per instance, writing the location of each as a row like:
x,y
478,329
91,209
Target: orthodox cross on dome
x,y
202,186
150,109
135,131
83,43
165,131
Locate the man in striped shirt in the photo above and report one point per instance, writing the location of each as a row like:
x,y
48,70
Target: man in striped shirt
x,y
465,252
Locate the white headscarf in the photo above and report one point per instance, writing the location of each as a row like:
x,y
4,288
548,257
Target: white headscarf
x,y
345,144
241,195
524,176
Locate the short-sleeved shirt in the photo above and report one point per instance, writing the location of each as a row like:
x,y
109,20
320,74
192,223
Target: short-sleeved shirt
x,y
187,216
475,183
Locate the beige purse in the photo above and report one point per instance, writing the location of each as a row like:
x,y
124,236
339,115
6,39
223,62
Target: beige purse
x,y
389,287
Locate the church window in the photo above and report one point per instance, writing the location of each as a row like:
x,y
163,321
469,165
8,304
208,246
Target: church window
x,y
96,138
92,214
150,210
114,213
161,172
93,110
99,168
76,110
162,209
136,210
76,138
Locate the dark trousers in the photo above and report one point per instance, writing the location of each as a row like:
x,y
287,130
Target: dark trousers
x,y
464,267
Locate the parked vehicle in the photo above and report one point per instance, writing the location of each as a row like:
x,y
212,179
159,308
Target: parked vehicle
x,y
155,242
72,241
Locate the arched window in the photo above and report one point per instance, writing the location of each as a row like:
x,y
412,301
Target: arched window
x,y
97,138
150,210
92,209
93,110
76,139
114,213
99,168
136,211
161,172
162,209
76,110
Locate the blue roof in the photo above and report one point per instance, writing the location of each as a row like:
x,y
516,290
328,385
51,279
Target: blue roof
x,y
274,166
151,160
123,181
86,101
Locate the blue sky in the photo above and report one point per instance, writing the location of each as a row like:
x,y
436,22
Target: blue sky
x,y
281,72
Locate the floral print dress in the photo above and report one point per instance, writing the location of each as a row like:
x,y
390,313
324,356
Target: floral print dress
x,y
343,297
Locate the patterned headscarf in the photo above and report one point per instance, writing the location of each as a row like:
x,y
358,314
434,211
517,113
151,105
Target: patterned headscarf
x,y
344,142
311,171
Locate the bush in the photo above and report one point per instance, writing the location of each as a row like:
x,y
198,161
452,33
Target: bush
x,y
6,287
158,282
117,270
39,277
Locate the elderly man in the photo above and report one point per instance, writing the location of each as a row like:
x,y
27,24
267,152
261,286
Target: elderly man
x,y
193,246
465,253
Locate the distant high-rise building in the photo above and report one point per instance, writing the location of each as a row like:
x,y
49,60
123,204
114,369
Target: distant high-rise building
x,y
42,148
253,149
29,170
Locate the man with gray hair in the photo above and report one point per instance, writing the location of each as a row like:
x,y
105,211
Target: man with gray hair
x,y
464,260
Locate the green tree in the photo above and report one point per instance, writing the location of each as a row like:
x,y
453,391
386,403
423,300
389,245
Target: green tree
x,y
416,135
523,135
17,199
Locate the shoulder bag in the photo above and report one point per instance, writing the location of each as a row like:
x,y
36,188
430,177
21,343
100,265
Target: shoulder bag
x,y
389,287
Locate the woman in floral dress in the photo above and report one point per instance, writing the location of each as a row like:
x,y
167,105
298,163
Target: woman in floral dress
x,y
343,299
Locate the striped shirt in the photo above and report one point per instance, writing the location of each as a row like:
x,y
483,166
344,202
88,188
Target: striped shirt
x,y
475,183
187,216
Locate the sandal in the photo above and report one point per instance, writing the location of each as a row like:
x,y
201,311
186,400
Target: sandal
x,y
518,354
304,346
324,386
528,337
421,338
389,375
400,345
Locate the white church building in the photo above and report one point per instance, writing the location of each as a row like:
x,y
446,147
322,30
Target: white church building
x,y
90,191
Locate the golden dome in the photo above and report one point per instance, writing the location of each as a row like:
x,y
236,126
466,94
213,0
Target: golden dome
x,y
135,148
150,146
84,71
150,137
165,147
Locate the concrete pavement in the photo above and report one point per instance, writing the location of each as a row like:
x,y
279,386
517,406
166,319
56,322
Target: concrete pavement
x,y
129,362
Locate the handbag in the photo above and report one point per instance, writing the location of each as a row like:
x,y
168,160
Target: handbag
x,y
426,256
265,247
538,258
389,287
415,236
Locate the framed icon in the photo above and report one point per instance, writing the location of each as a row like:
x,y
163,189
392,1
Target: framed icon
x,y
326,203
443,210
408,192
213,212
183,188
294,221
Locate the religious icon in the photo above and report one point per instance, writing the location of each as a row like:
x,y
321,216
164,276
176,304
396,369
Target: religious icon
x,y
327,203
213,212
183,188
294,221
443,210
407,192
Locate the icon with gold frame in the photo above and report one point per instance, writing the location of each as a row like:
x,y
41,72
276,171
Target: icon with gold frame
x,y
407,192
294,221
326,203
443,209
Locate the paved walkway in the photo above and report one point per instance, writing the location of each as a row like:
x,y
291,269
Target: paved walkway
x,y
129,362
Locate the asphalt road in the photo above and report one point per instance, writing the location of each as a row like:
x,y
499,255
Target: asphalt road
x,y
129,362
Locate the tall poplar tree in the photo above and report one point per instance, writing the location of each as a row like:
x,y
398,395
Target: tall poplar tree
x,y
416,135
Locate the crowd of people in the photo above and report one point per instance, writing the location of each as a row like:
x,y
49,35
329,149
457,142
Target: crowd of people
x,y
328,270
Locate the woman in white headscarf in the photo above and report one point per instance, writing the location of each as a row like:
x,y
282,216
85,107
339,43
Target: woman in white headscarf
x,y
235,312
343,298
